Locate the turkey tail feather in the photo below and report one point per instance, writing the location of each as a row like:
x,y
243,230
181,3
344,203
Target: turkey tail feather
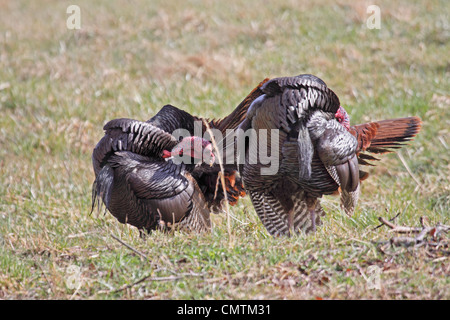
x,y
238,115
386,135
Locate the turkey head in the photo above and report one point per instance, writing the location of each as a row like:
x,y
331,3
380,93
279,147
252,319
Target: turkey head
x,y
192,148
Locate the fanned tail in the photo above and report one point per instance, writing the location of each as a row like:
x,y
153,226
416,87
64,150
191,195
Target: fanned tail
x,y
384,136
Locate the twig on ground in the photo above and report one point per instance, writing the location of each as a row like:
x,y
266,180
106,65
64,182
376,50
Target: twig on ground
x,y
395,217
423,232
398,229
390,220
130,247
150,278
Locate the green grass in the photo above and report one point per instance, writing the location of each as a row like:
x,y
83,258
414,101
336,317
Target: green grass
x,y
58,87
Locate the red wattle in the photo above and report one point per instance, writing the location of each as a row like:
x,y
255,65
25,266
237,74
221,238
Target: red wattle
x,y
166,154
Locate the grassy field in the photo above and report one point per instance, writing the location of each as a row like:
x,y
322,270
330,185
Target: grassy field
x,y
59,86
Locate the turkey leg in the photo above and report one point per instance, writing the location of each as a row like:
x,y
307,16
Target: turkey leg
x,y
311,205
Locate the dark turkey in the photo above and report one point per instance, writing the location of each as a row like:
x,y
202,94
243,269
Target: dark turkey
x,y
140,185
315,150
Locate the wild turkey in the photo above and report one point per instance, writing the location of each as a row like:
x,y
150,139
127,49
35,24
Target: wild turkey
x,y
141,186
317,152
